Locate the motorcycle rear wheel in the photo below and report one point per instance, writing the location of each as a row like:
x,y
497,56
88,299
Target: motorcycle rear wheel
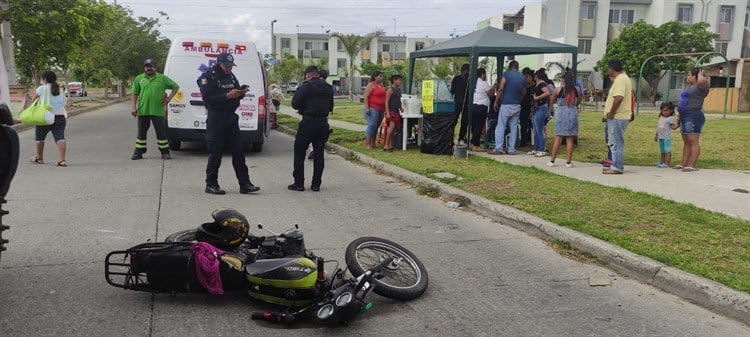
x,y
182,236
404,279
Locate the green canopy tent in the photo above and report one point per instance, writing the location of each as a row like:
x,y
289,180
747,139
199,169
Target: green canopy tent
x,y
490,41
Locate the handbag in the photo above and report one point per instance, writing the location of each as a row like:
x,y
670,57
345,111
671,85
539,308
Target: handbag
x,y
39,112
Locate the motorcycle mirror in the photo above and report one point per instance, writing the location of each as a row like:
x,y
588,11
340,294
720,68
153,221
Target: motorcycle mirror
x,y
260,226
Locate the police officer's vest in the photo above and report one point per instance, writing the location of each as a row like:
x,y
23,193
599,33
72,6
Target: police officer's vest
x,y
219,82
318,100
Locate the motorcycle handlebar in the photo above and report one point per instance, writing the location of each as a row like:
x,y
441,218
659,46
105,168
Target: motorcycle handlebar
x,y
285,318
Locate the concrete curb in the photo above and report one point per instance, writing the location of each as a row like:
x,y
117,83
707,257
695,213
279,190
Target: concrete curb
x,y
699,290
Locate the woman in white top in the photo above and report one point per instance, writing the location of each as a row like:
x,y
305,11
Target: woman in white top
x,y
51,89
479,109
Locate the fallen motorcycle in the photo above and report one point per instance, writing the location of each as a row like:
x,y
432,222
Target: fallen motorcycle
x,y
276,269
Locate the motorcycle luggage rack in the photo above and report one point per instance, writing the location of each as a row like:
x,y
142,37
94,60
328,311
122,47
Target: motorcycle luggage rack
x,y
120,271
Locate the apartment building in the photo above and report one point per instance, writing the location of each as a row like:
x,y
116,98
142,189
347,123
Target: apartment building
x,y
591,24
312,47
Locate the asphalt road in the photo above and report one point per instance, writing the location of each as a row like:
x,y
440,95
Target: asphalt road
x,y
486,279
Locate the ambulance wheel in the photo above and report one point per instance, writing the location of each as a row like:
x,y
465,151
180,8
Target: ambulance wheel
x,y
175,145
403,279
181,236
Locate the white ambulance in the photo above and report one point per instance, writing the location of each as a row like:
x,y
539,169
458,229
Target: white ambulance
x,y
186,114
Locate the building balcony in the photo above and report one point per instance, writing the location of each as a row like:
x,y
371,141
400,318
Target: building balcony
x,y
614,31
307,53
587,28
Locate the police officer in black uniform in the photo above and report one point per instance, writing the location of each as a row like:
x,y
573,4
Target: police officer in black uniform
x,y
313,100
222,94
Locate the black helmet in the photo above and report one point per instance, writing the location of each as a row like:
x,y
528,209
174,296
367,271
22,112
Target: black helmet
x,y
227,232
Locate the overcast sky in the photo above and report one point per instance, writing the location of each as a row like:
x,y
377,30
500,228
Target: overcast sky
x,y
252,18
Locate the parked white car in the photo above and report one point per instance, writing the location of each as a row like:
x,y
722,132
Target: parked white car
x,y
291,87
76,89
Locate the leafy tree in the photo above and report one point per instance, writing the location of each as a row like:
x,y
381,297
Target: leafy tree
x,y
289,68
119,50
367,68
321,63
398,68
51,34
421,70
353,44
642,40
455,63
442,69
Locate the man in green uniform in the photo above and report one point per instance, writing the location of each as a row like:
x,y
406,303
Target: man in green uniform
x,y
148,102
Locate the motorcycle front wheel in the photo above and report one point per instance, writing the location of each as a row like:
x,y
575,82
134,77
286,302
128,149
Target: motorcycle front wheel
x,y
403,279
182,236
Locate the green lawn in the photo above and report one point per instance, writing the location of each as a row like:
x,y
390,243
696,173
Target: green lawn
x,y
705,243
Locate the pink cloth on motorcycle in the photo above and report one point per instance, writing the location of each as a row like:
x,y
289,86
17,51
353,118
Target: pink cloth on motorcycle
x,y
208,266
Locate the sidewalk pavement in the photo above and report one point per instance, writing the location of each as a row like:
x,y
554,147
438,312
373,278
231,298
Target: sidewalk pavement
x,y
722,191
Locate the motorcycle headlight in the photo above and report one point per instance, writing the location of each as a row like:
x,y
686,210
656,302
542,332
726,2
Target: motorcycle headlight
x,y
344,299
325,312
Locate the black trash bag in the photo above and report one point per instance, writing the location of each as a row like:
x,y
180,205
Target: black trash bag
x,y
437,133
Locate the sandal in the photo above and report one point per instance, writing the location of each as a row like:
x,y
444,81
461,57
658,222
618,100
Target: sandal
x,y
62,163
36,160
611,171
689,169
678,167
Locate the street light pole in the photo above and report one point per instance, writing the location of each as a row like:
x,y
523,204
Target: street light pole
x,y
273,39
394,26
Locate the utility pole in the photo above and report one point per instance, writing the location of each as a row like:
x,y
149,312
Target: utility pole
x,y
273,40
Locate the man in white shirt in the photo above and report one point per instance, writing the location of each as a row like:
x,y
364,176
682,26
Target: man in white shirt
x,y
479,109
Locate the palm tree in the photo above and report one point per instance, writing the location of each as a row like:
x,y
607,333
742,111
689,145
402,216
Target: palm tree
x,y
353,44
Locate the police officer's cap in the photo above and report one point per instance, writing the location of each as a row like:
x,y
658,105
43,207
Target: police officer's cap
x,y
226,58
311,69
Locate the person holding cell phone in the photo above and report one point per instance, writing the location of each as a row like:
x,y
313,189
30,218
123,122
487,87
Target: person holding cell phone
x,y
222,94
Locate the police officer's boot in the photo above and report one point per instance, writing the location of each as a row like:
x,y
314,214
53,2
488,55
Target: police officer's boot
x,y
214,189
248,188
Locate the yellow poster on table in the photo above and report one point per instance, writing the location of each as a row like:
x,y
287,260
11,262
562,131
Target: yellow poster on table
x,y
428,96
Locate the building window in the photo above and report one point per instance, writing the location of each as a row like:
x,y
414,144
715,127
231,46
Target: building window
x,y
587,22
510,27
624,16
747,18
286,43
721,47
588,10
677,82
685,14
726,14
419,46
340,63
310,45
584,46
340,46
386,47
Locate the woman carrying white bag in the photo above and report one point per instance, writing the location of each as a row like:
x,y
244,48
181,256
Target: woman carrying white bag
x,y
52,89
